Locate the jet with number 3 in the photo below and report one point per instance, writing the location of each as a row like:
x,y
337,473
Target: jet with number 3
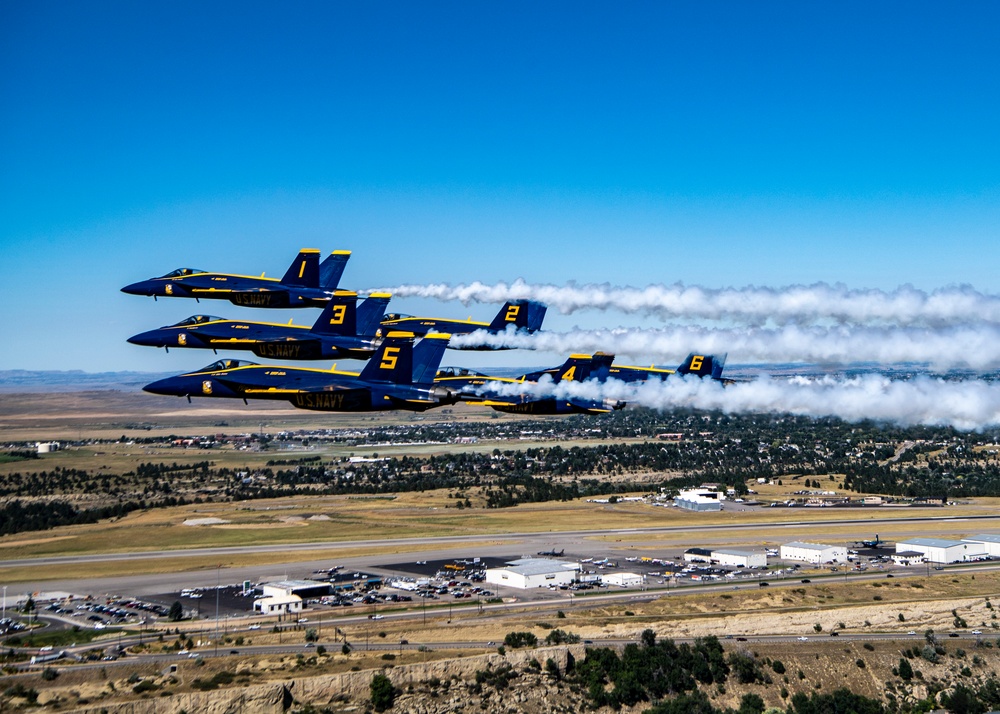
x,y
306,283
344,330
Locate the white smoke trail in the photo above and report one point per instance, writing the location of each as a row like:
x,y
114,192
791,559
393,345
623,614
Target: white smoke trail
x,y
969,347
795,304
965,405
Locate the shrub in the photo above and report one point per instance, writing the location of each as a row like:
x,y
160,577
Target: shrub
x,y
382,692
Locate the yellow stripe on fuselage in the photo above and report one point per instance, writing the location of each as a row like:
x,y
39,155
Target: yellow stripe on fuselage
x,y
404,320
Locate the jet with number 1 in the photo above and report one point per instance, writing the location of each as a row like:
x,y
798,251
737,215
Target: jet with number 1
x,y
344,330
306,283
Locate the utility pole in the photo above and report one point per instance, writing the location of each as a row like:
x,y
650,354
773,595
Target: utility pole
x,y
218,571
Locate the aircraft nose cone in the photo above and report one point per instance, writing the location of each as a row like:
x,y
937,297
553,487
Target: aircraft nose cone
x,y
151,338
171,386
136,288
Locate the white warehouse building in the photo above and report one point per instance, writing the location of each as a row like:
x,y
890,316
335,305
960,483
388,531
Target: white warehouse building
x,y
278,605
940,550
533,573
700,499
815,553
623,580
740,557
989,541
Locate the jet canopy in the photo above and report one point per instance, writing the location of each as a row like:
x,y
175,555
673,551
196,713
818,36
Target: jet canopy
x,y
181,272
225,364
395,316
198,320
458,372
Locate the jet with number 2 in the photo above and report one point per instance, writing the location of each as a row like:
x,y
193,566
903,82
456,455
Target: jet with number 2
x,y
306,283
344,330
521,315
400,375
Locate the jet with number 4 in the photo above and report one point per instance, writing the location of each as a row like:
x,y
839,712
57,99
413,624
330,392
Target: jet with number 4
x,y
344,330
520,315
400,375
306,283
516,395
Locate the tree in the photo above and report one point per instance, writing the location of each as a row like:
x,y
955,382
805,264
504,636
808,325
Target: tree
x,y
176,612
751,704
383,694
312,635
905,670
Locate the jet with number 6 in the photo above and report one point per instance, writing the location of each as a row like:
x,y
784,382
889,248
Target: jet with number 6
x,y
516,315
344,330
306,283
400,375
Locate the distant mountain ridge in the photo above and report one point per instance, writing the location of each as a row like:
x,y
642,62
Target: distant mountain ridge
x,y
73,380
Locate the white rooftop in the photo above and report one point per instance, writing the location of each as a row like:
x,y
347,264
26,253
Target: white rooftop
x,y
808,546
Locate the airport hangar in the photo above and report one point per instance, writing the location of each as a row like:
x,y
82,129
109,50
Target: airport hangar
x,y
739,557
990,542
527,573
940,550
815,553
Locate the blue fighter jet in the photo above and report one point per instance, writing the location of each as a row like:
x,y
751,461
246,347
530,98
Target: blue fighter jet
x,y
523,315
344,330
400,375
476,388
306,283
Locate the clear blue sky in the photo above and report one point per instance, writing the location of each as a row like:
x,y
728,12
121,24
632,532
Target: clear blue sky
x,y
718,144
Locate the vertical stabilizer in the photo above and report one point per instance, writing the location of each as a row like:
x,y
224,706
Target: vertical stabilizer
x,y
522,314
392,361
339,316
370,314
331,270
427,355
304,270
703,365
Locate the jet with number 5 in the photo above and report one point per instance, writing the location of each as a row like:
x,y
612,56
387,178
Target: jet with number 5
x,y
400,375
518,395
306,283
520,315
344,330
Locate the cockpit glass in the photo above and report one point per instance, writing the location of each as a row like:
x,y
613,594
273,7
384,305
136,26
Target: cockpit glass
x,y
395,316
181,272
458,372
224,364
197,320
